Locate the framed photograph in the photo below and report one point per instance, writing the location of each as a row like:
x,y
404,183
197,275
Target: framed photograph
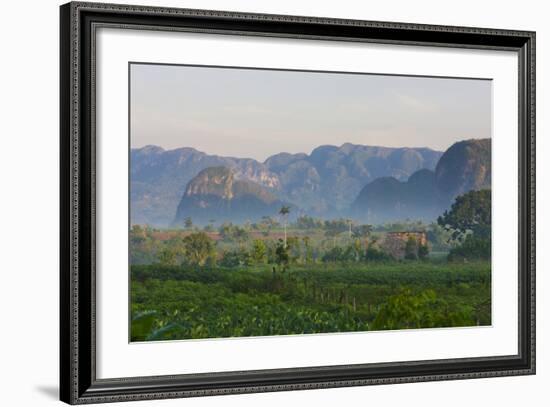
x,y
255,203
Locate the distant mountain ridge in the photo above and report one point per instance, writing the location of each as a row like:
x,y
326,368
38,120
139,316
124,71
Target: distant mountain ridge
x,y
214,194
158,179
465,166
324,182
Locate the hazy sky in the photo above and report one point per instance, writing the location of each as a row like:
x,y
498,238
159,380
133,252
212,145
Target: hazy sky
x,y
257,113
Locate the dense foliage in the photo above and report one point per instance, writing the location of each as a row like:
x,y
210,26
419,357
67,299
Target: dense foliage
x,y
470,212
469,221
473,248
174,302
277,277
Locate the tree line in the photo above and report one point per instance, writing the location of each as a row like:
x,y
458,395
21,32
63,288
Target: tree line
x,y
465,228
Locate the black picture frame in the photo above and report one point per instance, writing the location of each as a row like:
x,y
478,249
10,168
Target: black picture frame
x,y
78,382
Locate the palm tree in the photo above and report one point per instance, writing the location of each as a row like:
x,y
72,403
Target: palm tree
x,y
284,211
350,224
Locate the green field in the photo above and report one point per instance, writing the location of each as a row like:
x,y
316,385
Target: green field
x,y
311,276
185,302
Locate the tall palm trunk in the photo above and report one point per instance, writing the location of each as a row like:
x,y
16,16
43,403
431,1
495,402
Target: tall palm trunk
x,y
284,214
284,226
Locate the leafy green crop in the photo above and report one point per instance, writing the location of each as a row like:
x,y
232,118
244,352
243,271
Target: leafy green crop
x,y
177,302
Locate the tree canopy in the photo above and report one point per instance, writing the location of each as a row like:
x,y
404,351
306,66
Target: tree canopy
x,y
470,212
198,248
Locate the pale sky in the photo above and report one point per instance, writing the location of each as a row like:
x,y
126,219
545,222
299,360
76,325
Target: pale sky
x,y
258,113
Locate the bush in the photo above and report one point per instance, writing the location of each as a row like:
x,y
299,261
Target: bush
x,y
423,252
408,310
374,254
235,258
350,253
199,249
410,249
473,248
259,251
333,255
